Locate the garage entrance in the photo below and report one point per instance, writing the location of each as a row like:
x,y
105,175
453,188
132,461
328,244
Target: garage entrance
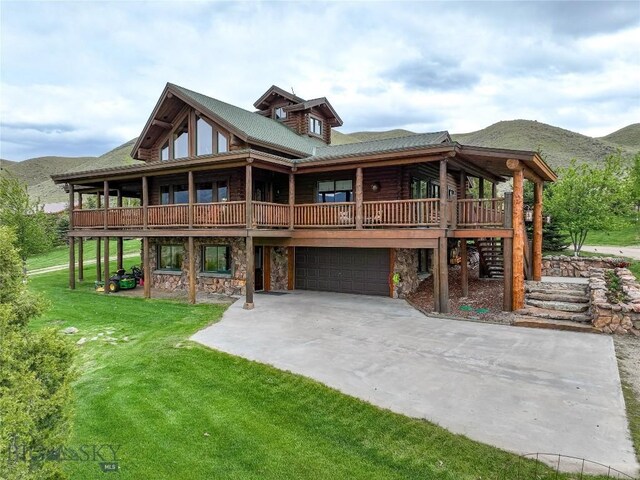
x,y
347,270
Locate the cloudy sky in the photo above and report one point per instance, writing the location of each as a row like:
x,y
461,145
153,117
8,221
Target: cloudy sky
x,y
80,78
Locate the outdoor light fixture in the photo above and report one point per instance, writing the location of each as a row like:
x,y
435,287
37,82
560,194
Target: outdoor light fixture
x,y
375,186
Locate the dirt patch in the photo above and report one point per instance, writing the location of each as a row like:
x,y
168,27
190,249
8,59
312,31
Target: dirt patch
x,y
484,302
628,353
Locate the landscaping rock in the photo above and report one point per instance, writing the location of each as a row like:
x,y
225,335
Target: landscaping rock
x,y
70,330
81,341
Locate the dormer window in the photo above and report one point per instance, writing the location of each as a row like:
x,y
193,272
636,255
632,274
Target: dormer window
x,y
315,126
279,113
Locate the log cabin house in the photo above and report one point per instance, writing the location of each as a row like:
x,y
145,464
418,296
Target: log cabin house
x,y
234,202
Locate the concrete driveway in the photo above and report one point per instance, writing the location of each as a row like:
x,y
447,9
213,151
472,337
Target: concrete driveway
x,y
520,389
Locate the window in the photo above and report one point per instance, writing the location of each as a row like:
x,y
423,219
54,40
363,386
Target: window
x,y
315,126
204,193
180,194
204,137
419,188
216,259
434,190
164,151
181,141
221,191
222,143
170,257
279,113
335,191
424,260
165,195
217,191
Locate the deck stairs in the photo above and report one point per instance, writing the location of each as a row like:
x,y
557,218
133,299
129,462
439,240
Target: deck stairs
x,y
558,306
491,257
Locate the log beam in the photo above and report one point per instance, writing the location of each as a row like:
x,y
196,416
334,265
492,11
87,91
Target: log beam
x,y
291,265
518,237
443,274
292,200
248,195
106,265
359,194
443,193
435,273
145,202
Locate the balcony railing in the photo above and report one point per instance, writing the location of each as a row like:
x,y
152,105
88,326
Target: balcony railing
x,y
414,213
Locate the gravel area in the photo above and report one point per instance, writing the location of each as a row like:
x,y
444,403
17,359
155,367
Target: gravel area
x,y
628,353
483,304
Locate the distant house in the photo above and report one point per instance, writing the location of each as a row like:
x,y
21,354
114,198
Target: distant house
x,y
234,201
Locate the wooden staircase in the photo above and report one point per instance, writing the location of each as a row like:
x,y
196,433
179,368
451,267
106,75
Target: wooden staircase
x,y
490,251
558,306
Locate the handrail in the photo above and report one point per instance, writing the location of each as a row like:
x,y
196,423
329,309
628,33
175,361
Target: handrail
x,y
480,212
270,214
318,215
402,213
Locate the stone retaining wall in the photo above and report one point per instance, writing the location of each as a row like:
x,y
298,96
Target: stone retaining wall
x,y
406,264
279,268
621,318
565,266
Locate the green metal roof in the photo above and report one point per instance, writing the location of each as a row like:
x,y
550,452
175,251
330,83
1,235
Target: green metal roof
x,y
378,146
256,127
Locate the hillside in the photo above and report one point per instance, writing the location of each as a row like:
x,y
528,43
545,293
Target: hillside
x,y
628,136
557,145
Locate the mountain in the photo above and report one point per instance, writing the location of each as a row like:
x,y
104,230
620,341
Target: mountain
x,y
558,146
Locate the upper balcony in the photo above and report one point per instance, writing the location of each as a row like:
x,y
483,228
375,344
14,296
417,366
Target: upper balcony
x,y
415,213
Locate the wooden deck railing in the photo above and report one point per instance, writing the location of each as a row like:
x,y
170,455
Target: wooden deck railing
x,y
471,213
318,215
483,212
267,214
168,215
88,218
402,213
124,217
226,214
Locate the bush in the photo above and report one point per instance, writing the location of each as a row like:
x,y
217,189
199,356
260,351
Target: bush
x,y
35,376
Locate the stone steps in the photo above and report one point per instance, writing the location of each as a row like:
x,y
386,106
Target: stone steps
x,y
550,314
560,306
572,297
553,324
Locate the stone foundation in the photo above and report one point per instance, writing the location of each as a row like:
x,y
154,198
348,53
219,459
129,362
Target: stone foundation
x,y
279,268
565,266
406,264
621,318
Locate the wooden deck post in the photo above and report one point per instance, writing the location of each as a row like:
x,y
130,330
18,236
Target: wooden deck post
x,y
292,199
145,203
359,193
248,196
106,205
72,247
507,296
444,191
537,232
80,245
192,193
518,234
106,265
250,285
146,265
494,190
443,273
291,268
435,273
464,267
98,250
192,271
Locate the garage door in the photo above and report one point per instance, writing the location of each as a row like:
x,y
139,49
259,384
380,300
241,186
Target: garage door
x,y
346,270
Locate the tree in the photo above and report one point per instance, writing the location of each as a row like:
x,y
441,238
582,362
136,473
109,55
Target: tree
x,y
35,376
634,183
553,240
588,198
25,217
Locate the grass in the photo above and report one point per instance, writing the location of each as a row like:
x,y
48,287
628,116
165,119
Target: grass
x,y
633,413
60,255
624,237
180,410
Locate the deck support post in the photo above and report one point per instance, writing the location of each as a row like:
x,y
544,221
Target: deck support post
x,y
443,274
464,267
292,199
248,196
537,232
494,190
72,248
518,234
480,187
444,192
507,296
80,244
98,250
192,271
146,267
359,193
119,240
435,273
192,193
266,268
106,265
250,285
291,268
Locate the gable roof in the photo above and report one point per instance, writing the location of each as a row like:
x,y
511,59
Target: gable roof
x,y
318,102
419,140
248,126
263,102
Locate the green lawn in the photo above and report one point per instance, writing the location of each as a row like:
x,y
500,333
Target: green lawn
x,y
182,411
60,255
624,237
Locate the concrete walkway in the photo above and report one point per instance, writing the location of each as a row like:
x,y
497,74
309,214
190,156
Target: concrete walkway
x,y
630,252
520,389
